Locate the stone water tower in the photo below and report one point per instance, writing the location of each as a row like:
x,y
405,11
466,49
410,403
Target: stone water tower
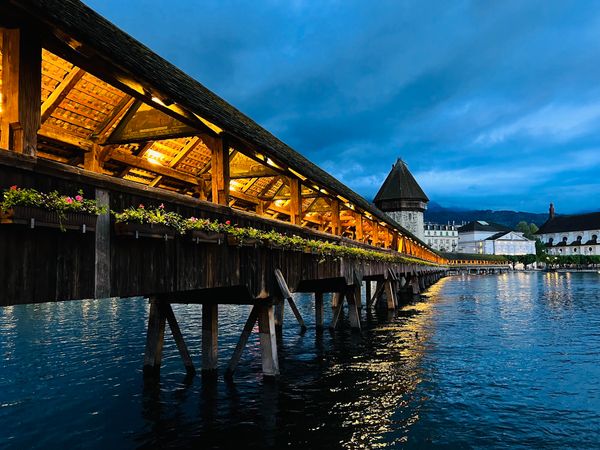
x,y
401,197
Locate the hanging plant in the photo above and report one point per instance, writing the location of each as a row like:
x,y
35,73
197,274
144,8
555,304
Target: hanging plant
x,y
31,207
148,222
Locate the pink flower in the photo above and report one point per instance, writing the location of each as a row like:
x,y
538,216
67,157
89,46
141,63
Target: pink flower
x,y
193,219
69,200
228,222
78,198
141,206
162,206
13,187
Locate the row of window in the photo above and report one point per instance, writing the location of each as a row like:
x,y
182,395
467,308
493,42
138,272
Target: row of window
x,y
578,239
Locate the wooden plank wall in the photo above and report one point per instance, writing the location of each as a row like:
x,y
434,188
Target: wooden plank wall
x,y
43,264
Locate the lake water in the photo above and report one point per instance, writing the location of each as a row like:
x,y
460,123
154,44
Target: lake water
x,y
497,361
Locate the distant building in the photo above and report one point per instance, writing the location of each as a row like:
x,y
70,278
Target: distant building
x,y
401,197
575,234
443,238
490,238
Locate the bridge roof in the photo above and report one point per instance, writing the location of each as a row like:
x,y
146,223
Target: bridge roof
x,y
103,45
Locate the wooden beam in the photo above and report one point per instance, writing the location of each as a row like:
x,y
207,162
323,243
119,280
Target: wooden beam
x,y
210,336
295,201
176,332
253,173
268,340
359,227
61,136
239,348
115,116
60,92
154,339
141,150
336,226
21,89
144,164
91,159
220,170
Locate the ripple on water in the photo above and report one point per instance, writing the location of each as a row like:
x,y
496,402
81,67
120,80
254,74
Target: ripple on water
x,y
507,361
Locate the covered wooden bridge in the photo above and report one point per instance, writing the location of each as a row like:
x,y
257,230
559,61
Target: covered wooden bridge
x,y
87,109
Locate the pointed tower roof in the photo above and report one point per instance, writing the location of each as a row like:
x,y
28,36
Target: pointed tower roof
x,y
400,185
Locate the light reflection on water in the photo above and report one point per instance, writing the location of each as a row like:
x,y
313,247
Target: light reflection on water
x,y
484,361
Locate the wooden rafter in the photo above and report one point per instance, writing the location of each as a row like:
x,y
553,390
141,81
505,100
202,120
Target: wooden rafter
x,y
144,164
184,152
141,150
115,116
61,91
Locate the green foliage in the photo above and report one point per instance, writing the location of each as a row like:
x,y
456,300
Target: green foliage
x,y
142,215
157,215
528,230
572,260
52,201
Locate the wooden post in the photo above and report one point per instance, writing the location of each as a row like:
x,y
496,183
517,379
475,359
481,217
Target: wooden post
x,y
319,309
357,286
295,201
336,224
21,89
286,293
154,339
239,349
368,293
359,227
176,332
279,305
220,171
353,313
268,341
337,301
390,294
414,281
102,251
375,233
91,159
210,334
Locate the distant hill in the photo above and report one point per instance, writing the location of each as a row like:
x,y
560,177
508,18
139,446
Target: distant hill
x,y
439,214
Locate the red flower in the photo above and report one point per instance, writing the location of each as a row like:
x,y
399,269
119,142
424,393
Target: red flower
x,y
69,200
13,187
78,198
162,206
228,222
141,206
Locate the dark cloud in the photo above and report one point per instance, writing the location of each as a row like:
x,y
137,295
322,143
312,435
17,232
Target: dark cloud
x,y
493,104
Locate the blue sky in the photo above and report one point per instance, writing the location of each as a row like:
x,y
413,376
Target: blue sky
x,y
493,105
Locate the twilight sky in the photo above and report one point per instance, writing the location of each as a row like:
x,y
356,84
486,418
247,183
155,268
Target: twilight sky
x,y
493,105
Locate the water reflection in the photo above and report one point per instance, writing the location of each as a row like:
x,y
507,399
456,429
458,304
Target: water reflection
x,y
480,361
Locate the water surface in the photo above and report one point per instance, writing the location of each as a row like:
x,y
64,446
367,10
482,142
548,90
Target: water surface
x,y
499,361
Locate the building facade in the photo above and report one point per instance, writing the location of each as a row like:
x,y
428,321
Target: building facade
x,y
401,197
489,238
575,234
443,238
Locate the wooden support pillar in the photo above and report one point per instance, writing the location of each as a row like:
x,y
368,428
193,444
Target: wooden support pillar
x,y
353,314
210,334
91,159
295,201
375,234
422,284
220,170
21,90
357,286
414,281
268,341
178,337
102,248
360,236
336,224
379,288
337,302
279,305
390,294
319,309
287,295
154,339
368,293
239,349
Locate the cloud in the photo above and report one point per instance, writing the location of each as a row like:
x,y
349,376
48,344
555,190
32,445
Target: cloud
x,y
480,98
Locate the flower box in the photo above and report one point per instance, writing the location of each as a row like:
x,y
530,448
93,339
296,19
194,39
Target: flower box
x,y
147,230
235,241
206,237
38,217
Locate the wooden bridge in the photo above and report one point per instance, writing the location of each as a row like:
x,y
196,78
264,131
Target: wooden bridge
x,y
86,108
